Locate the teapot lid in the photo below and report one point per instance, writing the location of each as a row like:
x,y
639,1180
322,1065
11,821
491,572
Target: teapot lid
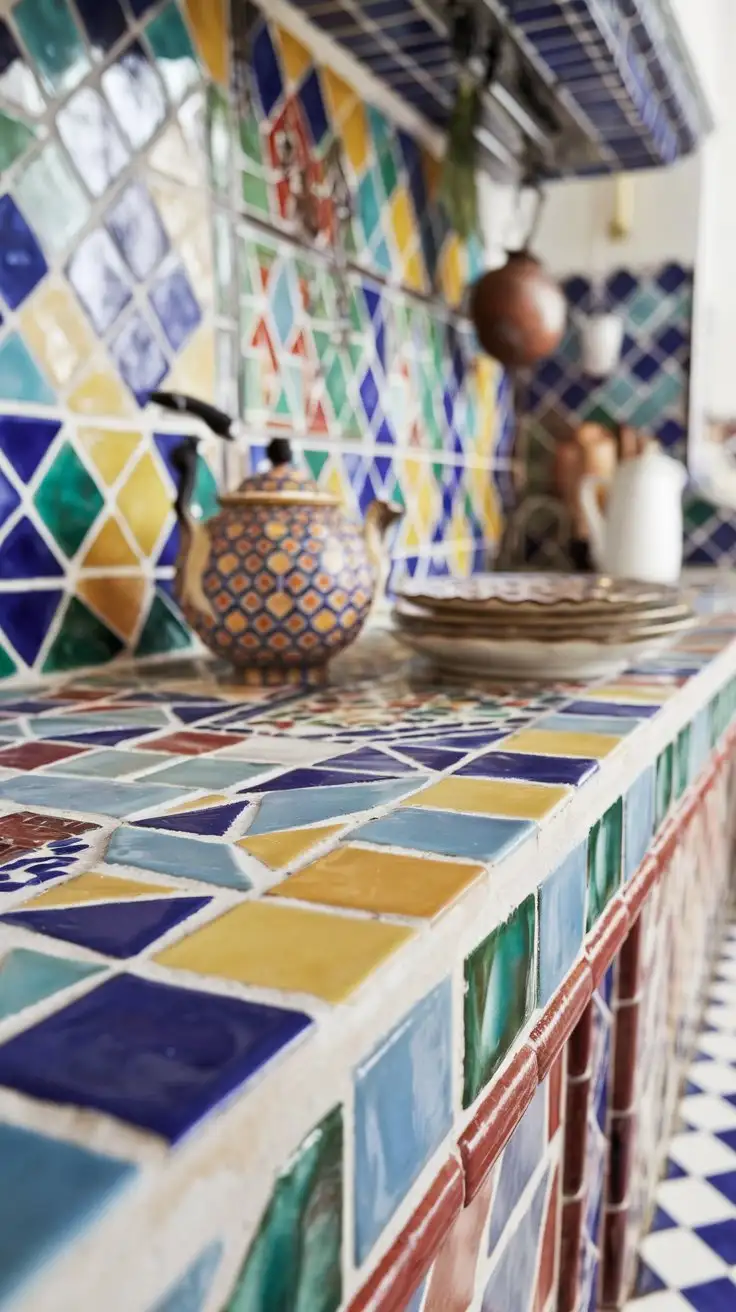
x,y
282,484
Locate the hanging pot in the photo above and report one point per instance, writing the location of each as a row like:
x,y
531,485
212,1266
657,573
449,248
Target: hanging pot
x,y
519,311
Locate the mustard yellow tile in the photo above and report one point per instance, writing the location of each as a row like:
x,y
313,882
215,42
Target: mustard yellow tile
x,y
380,881
281,849
356,138
280,947
118,601
212,799
95,887
145,503
451,270
550,742
295,58
500,797
415,273
110,547
109,450
631,692
99,392
56,330
402,219
194,367
341,98
208,22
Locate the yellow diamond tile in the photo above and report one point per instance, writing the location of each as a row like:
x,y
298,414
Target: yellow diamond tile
x,y
208,23
356,138
363,880
551,742
415,274
56,330
274,946
212,799
145,503
282,849
194,368
118,601
646,693
96,887
295,58
110,547
340,97
500,797
486,383
99,392
109,450
402,219
451,270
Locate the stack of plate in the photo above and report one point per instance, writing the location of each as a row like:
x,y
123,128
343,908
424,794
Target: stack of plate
x,y
556,626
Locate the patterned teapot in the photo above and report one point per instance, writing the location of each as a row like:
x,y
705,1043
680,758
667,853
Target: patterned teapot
x,y
280,579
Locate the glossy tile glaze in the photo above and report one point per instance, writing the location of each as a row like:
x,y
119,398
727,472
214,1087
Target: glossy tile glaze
x,y
501,990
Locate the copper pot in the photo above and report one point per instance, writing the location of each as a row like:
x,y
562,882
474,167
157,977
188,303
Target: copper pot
x,y
519,311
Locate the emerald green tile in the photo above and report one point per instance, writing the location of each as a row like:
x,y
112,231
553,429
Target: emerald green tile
x,y
15,137
697,513
20,377
316,461
250,137
389,172
218,138
53,41
254,191
173,52
81,640
51,174
68,500
681,763
205,499
294,1262
664,784
369,206
7,664
604,861
337,386
27,977
500,995
164,630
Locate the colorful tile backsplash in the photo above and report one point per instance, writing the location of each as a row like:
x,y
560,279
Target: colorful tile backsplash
x,y
168,257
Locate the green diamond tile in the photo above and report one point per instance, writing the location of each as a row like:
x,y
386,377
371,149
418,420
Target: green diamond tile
x,y
667,391
68,500
389,171
82,640
254,191
337,386
205,499
316,461
164,629
250,138
645,304
604,861
53,41
369,206
173,52
51,174
7,664
15,137
500,995
697,513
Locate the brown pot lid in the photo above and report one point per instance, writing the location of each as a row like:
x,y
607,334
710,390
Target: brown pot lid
x,y
282,484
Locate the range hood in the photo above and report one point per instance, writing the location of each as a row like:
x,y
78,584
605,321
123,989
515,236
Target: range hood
x,y
594,86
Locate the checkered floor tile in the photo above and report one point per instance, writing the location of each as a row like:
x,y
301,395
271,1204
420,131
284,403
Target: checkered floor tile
x,y
688,1260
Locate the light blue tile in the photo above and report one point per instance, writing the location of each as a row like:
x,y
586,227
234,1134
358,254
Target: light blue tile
x,y
304,806
416,1301
561,921
98,798
403,1110
206,772
51,1192
27,977
617,726
190,1293
638,821
110,763
482,837
512,1282
170,854
148,717
521,1157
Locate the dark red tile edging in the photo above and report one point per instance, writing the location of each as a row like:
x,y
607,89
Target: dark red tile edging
x,y
497,1116
408,1260
604,941
560,1017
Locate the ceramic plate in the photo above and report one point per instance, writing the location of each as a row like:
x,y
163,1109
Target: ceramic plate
x,y
563,592
482,657
541,622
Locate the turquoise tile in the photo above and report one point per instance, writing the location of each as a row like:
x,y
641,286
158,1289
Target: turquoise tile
x,y
190,1293
170,854
604,861
500,995
27,977
52,1192
173,52
20,377
207,772
681,763
304,806
619,726
561,921
476,837
511,1284
294,1262
664,784
53,41
145,717
403,1110
521,1157
110,764
638,821
104,798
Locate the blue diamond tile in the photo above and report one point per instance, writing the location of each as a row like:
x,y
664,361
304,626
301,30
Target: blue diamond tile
x,y
647,1281
22,263
52,1192
104,23
176,306
100,279
369,394
134,223
138,356
721,1238
310,95
25,554
25,442
662,1221
116,929
713,1296
9,498
152,1055
535,769
211,820
266,68
621,286
726,1183
672,278
25,618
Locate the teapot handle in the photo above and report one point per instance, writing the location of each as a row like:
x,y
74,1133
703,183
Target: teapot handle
x,y
589,486
216,420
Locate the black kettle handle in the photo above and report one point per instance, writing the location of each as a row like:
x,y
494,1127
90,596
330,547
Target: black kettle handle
x,y
216,420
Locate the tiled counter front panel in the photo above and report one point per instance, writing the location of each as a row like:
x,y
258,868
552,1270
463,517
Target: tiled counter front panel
x,y
281,973
113,122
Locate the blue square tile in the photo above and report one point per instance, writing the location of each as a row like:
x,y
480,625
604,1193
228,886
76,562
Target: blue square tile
x,y
561,921
403,1110
176,306
611,710
714,1296
152,1055
445,833
638,821
22,262
511,1283
134,223
721,1237
520,1159
52,1191
528,766
138,356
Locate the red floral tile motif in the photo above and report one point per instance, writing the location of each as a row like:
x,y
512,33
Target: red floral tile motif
x,y
23,831
31,755
192,744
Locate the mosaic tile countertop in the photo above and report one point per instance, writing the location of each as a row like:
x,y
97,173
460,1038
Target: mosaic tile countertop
x,y
262,953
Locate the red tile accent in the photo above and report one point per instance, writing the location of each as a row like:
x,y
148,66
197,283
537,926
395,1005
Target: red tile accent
x,y
629,963
622,1137
604,941
573,1211
191,743
410,1257
30,755
548,1256
613,1258
561,1015
497,1116
580,1046
576,1135
23,831
452,1281
640,886
554,1096
625,1059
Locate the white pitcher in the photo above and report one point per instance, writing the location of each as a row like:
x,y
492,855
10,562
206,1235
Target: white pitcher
x,y
640,537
